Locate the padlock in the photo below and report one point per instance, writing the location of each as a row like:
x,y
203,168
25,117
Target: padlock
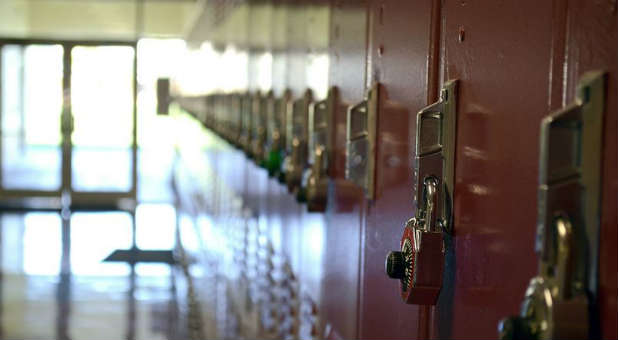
x,y
420,263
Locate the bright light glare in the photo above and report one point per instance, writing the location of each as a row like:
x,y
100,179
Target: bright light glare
x,y
158,58
43,93
265,72
42,243
102,95
317,74
188,235
156,225
232,72
96,235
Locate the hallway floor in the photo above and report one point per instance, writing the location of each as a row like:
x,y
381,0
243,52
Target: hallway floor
x,y
54,284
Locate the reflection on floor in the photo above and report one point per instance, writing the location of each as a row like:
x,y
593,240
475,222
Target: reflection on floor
x,y
54,284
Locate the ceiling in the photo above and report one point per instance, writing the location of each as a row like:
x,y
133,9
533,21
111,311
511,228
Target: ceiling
x,y
97,19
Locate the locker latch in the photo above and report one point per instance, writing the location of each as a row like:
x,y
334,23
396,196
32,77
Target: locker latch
x,y
361,142
419,265
297,136
556,303
320,146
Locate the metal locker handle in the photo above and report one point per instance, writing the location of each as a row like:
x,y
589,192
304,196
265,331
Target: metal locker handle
x,y
361,142
568,220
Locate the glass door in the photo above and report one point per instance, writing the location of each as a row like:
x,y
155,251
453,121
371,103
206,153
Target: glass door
x,y
68,122
31,96
103,149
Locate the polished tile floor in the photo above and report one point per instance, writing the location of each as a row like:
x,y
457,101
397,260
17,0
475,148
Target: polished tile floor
x,y
54,283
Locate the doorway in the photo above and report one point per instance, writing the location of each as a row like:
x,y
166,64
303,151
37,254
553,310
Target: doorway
x,y
67,124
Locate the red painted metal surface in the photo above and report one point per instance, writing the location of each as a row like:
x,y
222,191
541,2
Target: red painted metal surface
x,y
501,52
516,62
400,50
345,211
423,283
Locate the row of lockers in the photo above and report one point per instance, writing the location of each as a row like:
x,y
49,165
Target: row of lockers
x,y
462,91
292,139
289,138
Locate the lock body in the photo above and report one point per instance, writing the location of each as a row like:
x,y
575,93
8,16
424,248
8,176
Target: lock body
x,y
423,254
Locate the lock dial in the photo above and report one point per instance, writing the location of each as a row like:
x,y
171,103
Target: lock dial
x,y
408,264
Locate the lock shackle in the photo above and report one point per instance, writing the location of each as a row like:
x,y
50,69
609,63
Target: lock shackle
x,y
431,203
564,266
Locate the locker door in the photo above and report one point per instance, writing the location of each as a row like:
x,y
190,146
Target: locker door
x,y
341,276
402,56
502,53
